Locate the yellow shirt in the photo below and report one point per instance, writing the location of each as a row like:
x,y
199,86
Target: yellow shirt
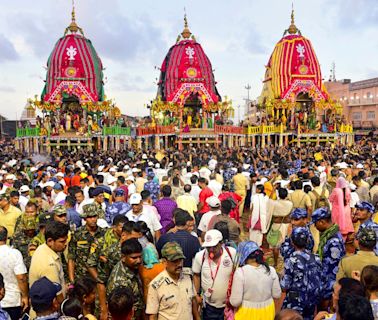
x,y
300,199
240,183
356,263
187,202
46,263
139,183
8,219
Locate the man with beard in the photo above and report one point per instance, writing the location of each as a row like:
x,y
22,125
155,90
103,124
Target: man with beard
x,y
172,285
125,274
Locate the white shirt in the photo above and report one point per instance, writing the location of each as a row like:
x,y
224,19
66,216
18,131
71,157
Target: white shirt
x,y
205,173
216,187
354,199
11,264
23,201
148,216
196,190
131,188
79,207
206,267
205,220
61,196
86,193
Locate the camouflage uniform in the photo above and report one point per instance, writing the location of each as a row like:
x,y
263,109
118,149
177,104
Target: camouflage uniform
x,y
112,255
122,276
101,245
21,240
302,279
83,243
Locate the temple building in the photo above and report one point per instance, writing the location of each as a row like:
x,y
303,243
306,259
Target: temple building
x,y
73,110
294,102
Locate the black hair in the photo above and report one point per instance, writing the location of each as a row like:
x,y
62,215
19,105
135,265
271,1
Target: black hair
x,y
100,178
166,191
78,191
145,230
187,188
70,200
14,193
145,194
222,227
120,303
258,256
351,286
193,179
354,307
298,185
119,218
31,204
181,217
282,193
121,179
131,246
72,308
1,281
176,181
226,206
3,233
56,230
202,180
130,226
260,188
85,180
307,188
315,181
83,286
300,242
369,278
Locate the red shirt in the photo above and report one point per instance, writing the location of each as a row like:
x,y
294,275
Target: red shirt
x,y
126,190
204,194
75,181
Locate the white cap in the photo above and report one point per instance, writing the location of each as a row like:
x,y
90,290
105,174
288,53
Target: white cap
x,y
60,174
150,163
342,165
33,169
157,166
24,188
130,178
144,156
135,198
135,170
352,186
170,164
10,177
360,166
49,184
126,167
12,162
111,180
188,164
100,168
246,166
213,202
212,238
110,159
112,169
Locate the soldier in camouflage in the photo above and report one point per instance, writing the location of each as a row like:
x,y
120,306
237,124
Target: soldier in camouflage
x,y
112,236
109,258
22,239
83,242
39,239
125,274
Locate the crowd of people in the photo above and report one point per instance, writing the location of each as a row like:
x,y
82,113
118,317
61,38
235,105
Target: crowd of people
x,y
241,233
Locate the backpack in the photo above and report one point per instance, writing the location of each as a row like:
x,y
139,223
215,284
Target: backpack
x,y
321,200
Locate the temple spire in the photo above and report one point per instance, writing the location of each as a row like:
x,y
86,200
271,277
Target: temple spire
x,y
73,27
186,32
292,28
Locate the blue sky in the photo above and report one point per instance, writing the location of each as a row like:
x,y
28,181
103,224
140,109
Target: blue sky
x,y
132,37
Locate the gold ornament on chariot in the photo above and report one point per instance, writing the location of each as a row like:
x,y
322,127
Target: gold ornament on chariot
x,y
303,69
191,72
70,72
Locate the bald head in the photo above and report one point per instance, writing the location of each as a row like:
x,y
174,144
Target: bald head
x,y
288,314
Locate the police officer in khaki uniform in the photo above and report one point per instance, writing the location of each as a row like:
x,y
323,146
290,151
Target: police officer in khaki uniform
x,y
171,293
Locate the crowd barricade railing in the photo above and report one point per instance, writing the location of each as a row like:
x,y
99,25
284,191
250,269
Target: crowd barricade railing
x,y
228,129
116,131
27,132
145,131
165,129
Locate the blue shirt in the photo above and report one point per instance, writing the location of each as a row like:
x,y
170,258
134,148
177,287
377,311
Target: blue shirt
x,y
116,208
74,217
302,282
287,247
153,188
333,251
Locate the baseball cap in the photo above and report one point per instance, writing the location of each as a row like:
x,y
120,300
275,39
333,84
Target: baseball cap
x,y
212,238
298,213
319,214
60,174
172,251
43,291
58,186
97,191
144,156
366,235
4,196
119,193
135,198
213,202
112,169
130,178
135,170
111,180
59,210
24,188
90,210
364,205
49,184
43,218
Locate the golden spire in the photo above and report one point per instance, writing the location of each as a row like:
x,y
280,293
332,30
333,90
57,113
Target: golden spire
x,y
292,28
186,32
73,27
